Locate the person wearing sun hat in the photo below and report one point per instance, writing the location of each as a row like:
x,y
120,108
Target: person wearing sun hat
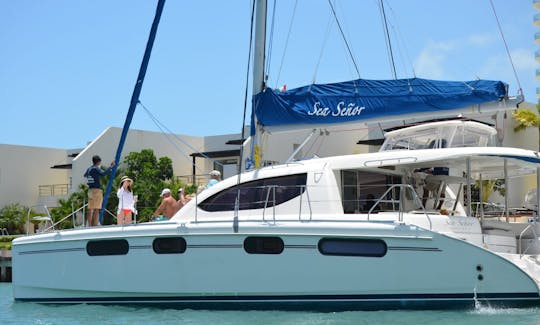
x,y
126,201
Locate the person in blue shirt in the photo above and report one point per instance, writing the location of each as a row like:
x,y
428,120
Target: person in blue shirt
x,y
215,176
95,193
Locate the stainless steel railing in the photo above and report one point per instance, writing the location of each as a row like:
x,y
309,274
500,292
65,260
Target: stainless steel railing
x,y
403,188
530,226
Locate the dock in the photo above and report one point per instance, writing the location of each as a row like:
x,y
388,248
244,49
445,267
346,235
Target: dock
x,y
5,265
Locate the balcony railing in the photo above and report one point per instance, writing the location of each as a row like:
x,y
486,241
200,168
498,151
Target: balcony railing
x,y
53,190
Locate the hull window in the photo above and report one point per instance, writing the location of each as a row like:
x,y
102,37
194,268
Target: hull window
x,y
263,245
353,247
107,247
169,245
259,194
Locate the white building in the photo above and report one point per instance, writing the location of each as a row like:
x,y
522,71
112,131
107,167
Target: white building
x,y
40,176
26,174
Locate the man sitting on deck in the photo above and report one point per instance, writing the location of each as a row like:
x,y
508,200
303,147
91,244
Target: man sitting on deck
x,y
168,206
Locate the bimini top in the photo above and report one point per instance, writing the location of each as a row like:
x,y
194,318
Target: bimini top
x,y
362,100
444,134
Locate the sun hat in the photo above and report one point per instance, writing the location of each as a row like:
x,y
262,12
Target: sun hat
x,y
125,178
165,191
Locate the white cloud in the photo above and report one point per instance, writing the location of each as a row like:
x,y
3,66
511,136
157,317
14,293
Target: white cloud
x,y
499,68
481,40
430,61
523,62
523,59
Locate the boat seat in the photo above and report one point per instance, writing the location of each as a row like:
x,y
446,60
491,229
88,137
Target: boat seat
x,y
495,225
44,220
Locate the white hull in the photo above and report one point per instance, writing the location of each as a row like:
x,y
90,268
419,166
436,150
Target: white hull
x,y
215,269
308,237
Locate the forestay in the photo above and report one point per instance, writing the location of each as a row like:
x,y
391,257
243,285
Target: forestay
x,y
362,100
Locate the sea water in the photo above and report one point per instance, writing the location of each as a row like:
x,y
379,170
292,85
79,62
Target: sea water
x,y
31,313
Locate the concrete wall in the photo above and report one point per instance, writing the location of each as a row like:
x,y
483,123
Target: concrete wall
x,y
106,143
526,139
23,169
229,164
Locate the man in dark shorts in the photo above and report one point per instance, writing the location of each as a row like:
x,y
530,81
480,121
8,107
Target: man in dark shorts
x,y
95,193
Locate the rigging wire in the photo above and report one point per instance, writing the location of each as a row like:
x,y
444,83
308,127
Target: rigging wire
x,y
520,90
246,90
270,42
326,36
346,29
406,62
344,39
168,135
401,42
286,43
238,180
387,38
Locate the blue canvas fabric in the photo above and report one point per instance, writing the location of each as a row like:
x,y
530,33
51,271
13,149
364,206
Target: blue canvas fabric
x,y
361,99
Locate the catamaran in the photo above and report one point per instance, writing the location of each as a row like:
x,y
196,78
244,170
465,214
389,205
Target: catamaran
x,y
396,228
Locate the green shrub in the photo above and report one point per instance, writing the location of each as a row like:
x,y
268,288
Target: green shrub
x,y
7,239
13,218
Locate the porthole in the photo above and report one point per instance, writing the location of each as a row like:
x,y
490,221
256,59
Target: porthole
x,y
107,247
352,247
169,245
263,245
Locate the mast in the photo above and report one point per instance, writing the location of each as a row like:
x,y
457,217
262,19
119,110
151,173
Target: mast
x,y
134,101
258,73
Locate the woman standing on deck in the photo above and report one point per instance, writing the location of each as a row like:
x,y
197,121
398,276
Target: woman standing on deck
x,y
126,201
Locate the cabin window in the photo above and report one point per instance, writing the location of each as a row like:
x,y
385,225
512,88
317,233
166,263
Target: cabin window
x,y
361,190
257,194
169,245
352,247
263,245
107,247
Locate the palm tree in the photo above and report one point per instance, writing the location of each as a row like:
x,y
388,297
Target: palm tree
x,y
526,118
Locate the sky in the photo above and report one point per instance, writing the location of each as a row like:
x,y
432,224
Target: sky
x,y
68,67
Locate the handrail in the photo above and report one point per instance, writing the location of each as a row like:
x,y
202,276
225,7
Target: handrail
x,y
309,204
64,218
530,226
273,189
72,214
415,198
30,210
4,232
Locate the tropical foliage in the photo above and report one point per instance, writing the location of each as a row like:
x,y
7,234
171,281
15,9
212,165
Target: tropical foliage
x,y
68,206
526,118
150,176
13,218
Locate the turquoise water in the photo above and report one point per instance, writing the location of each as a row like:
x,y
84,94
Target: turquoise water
x,y
29,313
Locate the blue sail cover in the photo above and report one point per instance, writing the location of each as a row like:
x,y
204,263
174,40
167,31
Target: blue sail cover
x,y
361,99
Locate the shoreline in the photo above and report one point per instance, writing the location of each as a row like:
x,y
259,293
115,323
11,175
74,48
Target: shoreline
x,y
5,265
